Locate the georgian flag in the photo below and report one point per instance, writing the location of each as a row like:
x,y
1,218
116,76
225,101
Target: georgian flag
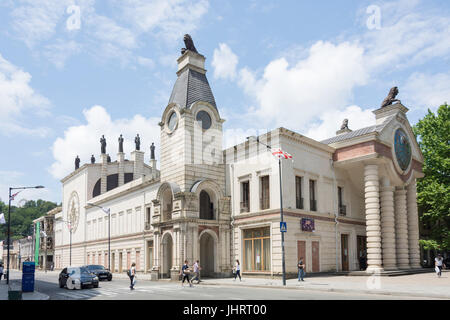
x,y
2,218
280,154
14,195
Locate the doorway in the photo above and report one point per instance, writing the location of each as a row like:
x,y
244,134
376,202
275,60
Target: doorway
x,y
120,261
361,245
301,253
207,254
315,256
167,248
344,251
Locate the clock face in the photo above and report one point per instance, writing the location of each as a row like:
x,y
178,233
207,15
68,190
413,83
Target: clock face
x,y
173,119
204,119
402,149
73,215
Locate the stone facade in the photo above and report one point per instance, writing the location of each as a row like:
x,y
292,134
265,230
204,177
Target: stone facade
x,y
345,199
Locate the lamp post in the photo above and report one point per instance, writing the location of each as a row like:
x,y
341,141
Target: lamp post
x,y
281,209
9,223
108,212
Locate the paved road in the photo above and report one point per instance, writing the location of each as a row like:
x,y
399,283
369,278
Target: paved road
x,y
118,289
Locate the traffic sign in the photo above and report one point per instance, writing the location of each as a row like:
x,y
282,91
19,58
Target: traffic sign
x,y
283,227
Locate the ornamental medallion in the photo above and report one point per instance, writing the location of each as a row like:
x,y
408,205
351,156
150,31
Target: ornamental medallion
x,y
402,149
73,215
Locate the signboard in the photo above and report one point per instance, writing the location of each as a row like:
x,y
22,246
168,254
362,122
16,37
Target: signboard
x,y
283,227
307,224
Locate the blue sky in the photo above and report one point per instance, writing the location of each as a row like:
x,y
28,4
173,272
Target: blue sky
x,y
71,70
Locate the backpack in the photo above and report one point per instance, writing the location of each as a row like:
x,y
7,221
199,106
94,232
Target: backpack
x,y
129,272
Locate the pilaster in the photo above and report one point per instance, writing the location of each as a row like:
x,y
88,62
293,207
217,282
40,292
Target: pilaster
x,y
401,229
121,160
413,226
104,173
388,228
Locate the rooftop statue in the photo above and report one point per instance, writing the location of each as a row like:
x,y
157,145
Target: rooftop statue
x,y
77,163
391,97
137,141
152,151
189,44
344,124
92,159
120,143
103,143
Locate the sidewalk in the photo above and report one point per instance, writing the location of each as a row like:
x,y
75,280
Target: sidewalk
x,y
15,284
417,285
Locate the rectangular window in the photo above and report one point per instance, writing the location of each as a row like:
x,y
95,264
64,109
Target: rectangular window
x,y
138,260
312,195
245,196
265,193
342,207
257,249
298,193
150,255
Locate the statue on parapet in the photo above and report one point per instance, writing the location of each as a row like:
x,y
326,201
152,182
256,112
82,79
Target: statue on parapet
x,y
189,44
137,141
103,143
92,159
344,124
121,144
77,163
390,99
152,151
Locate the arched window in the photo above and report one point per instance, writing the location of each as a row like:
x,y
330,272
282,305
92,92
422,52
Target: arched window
x,y
167,203
206,206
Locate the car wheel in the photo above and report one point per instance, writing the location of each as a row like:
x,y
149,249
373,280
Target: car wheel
x,y
110,278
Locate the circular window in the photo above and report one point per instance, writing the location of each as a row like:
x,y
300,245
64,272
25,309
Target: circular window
x,y
172,121
204,119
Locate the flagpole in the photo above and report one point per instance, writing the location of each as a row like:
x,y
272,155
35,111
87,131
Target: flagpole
x,y
282,233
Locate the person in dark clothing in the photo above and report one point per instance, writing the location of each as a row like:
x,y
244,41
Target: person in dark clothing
x,y
132,276
301,270
185,273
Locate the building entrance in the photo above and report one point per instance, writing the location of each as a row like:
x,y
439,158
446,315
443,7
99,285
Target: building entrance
x,y
207,254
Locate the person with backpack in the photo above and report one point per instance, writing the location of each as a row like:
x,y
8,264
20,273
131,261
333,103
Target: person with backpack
x,y
301,270
132,274
185,274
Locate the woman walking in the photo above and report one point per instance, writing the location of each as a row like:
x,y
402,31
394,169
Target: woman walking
x,y
237,270
132,275
185,274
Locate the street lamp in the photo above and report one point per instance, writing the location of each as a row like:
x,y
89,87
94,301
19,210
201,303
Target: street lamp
x,y
281,208
108,212
9,222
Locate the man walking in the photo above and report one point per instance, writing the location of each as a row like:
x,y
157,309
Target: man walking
x,y
197,269
301,271
1,271
185,273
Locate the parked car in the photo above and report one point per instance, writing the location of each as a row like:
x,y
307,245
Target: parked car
x,y
77,278
100,271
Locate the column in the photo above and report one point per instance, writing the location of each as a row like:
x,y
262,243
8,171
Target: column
x,y
373,223
413,225
401,228
121,160
388,227
104,173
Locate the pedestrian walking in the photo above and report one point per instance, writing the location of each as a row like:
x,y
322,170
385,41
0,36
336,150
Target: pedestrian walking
x,y
132,275
1,271
197,269
301,269
237,270
438,263
185,274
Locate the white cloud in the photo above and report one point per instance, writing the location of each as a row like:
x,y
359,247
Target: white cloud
x,y
427,90
330,122
18,98
58,52
224,62
295,95
83,140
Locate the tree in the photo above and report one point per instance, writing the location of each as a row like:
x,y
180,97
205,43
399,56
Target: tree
x,y
433,191
22,218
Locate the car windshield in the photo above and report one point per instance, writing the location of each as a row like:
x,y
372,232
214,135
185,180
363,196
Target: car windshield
x,y
95,267
84,270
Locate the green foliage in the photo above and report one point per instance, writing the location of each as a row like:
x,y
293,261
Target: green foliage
x,y
433,191
429,244
22,218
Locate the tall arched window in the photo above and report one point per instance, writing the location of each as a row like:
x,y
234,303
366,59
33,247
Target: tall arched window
x,y
206,206
167,204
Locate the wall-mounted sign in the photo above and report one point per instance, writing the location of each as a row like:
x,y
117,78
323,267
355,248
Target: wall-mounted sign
x,y
307,224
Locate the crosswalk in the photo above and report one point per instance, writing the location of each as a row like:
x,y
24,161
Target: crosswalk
x,y
111,291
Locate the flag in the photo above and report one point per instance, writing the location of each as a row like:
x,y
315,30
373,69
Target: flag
x,y
14,195
2,218
280,154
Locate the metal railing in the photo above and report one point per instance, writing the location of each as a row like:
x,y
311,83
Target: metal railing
x,y
342,210
313,205
299,203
